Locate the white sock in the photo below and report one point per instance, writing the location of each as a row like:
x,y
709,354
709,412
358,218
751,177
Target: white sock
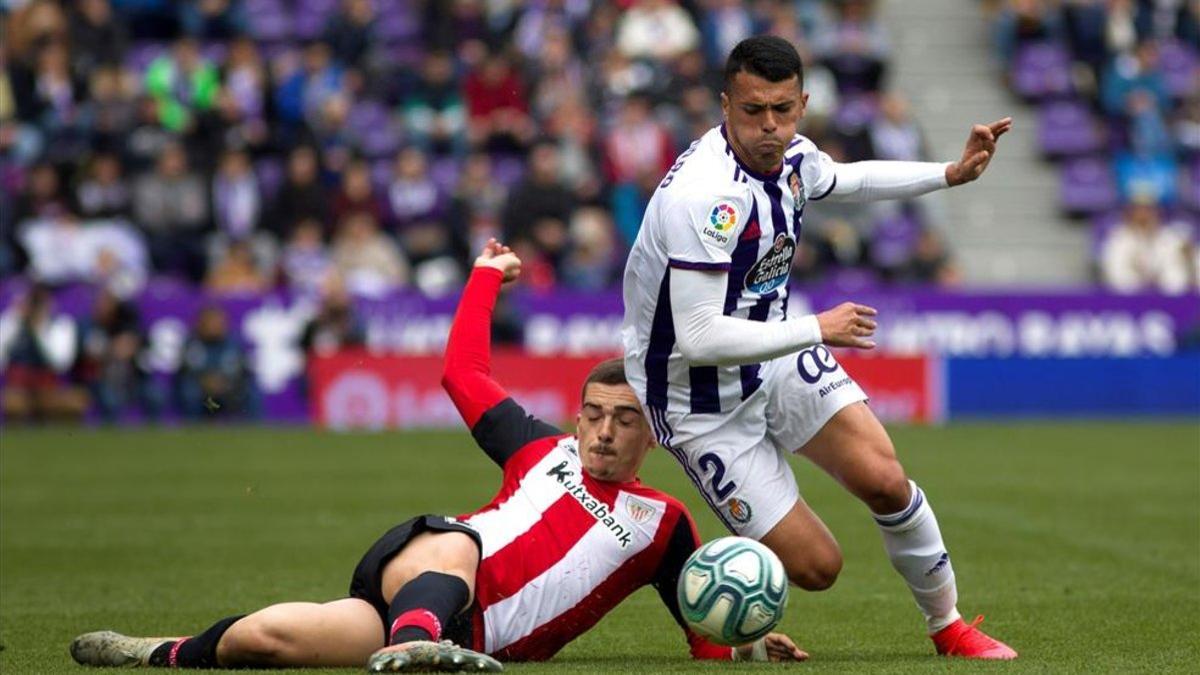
x,y
914,544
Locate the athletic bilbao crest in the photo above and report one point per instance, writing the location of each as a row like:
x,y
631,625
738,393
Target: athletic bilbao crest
x,y
771,271
639,511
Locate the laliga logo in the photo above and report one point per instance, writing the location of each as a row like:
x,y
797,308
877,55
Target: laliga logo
x,y
723,217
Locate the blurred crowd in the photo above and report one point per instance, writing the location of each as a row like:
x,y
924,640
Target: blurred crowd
x,y
57,367
248,145
342,149
1118,85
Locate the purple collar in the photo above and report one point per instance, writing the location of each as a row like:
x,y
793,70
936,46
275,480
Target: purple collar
x,y
757,175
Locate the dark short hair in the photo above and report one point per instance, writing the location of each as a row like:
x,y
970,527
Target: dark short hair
x,y
767,56
611,371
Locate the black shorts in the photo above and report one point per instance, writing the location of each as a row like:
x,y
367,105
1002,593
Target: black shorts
x,y
367,582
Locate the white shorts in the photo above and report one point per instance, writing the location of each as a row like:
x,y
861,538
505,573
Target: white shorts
x,y
738,459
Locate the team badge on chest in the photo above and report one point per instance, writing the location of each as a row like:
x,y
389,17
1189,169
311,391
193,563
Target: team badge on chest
x,y
639,511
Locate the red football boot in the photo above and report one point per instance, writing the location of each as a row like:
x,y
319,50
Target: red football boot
x,y
964,639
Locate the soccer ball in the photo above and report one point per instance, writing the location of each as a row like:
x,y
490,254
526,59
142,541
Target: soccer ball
x,y
732,590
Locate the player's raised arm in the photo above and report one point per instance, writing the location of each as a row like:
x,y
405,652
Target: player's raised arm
x,y
683,541
879,179
499,425
980,148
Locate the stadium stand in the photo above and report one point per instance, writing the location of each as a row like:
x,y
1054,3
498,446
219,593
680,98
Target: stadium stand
x,y
180,129
162,158
1116,86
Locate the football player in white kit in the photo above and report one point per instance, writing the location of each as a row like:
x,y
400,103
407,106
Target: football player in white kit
x,y
732,384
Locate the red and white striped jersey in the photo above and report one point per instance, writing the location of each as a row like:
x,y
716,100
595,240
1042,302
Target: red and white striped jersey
x,y
559,548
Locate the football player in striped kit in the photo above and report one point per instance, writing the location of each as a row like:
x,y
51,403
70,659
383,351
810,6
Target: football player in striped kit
x,y
731,383
571,533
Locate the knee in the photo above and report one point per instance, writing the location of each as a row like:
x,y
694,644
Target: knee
x,y
452,553
255,640
819,568
818,574
890,493
886,488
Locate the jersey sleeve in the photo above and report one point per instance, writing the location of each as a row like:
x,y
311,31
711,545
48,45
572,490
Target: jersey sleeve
x,y
700,229
818,173
682,542
499,425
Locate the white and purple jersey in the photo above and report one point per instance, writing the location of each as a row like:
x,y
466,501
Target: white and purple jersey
x,y
712,212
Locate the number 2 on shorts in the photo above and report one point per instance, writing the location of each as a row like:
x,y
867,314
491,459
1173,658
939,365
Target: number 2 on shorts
x,y
711,461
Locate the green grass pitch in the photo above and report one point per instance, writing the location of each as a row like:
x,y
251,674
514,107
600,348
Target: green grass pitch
x,y
1080,542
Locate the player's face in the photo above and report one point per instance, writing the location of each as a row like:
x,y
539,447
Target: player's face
x,y
761,118
614,435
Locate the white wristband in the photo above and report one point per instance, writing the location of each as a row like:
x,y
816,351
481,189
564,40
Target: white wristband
x,y
758,651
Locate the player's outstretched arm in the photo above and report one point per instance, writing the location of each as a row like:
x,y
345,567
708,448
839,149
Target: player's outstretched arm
x,y
499,425
707,337
980,148
684,539
875,179
775,647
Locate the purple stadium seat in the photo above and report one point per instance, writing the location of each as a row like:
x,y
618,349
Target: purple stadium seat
x,y
1088,186
1190,196
383,7
271,51
396,21
507,170
264,6
381,141
12,178
855,112
214,51
367,114
1041,70
853,279
1102,225
309,26
1068,128
378,133
270,26
397,28
270,176
139,57
381,174
893,241
1180,65
407,54
313,16
445,172
323,7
